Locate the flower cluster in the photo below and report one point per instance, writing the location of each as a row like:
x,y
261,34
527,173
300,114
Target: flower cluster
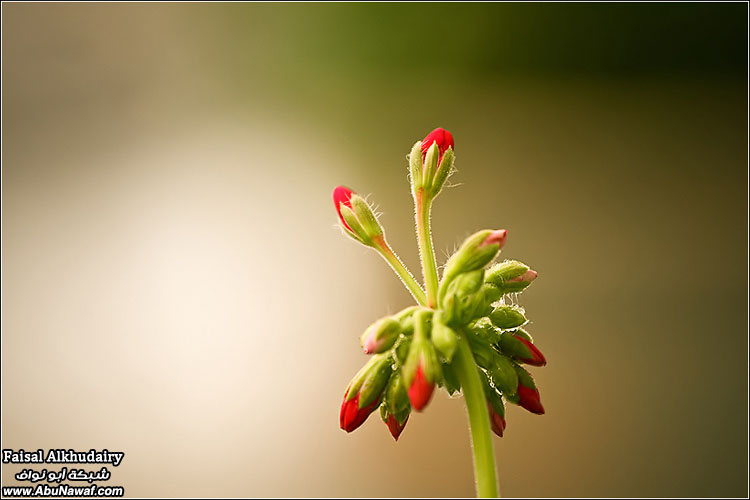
x,y
413,351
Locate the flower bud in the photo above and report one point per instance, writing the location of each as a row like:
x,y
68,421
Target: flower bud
x,y
506,316
527,395
510,276
396,408
443,338
497,420
495,405
477,251
517,346
442,139
464,299
357,218
395,426
363,395
421,371
381,335
503,374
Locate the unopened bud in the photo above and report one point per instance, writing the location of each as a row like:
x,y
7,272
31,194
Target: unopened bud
x,y
516,346
510,276
477,251
495,406
381,335
363,395
421,371
357,217
396,407
506,316
527,395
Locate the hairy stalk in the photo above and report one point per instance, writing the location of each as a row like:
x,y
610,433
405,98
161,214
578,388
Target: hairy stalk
x,y
426,251
406,277
479,420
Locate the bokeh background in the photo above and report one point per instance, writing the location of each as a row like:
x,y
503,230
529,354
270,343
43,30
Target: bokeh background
x,y
175,286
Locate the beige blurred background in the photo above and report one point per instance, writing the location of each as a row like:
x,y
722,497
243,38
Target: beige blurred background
x,y
174,285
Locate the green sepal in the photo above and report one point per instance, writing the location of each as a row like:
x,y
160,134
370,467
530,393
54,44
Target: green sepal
x,y
511,346
375,380
415,167
483,352
507,270
385,331
366,217
524,377
421,352
493,396
357,231
524,334
491,293
506,316
443,338
485,330
469,257
503,375
450,379
401,349
395,398
430,167
444,170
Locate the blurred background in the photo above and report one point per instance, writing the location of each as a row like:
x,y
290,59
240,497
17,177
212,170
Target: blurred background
x,y
175,285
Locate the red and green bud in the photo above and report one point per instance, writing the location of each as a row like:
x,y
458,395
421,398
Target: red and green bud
x,y
396,408
495,405
443,338
364,393
421,371
507,317
518,347
431,162
477,251
357,217
510,276
381,335
527,395
395,426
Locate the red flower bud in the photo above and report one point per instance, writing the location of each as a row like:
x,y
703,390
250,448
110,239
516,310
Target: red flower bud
x,y
442,137
497,422
528,398
395,426
352,416
420,390
342,195
536,357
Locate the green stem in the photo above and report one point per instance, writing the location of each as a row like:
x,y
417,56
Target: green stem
x,y
406,277
479,420
426,252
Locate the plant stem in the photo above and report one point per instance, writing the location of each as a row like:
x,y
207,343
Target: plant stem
x,y
426,252
479,420
406,277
